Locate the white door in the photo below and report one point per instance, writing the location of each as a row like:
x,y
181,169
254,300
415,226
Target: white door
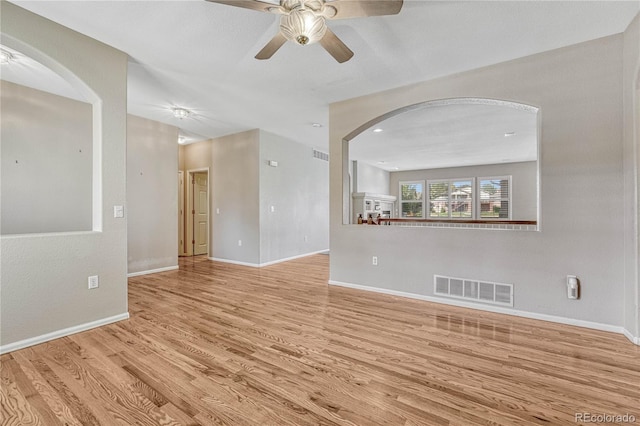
x,y
200,213
181,242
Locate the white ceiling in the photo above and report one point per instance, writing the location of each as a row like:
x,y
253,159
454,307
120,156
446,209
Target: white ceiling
x,y
450,134
27,72
200,55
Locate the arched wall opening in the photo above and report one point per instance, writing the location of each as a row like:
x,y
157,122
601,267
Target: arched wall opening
x,y
452,162
51,146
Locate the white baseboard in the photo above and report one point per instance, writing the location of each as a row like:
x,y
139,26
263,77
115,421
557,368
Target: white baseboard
x,y
496,309
152,271
235,262
273,262
61,333
628,335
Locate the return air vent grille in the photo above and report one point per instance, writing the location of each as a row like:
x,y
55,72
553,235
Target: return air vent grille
x,y
320,155
473,290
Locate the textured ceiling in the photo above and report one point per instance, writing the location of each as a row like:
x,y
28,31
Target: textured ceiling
x,y
200,55
450,134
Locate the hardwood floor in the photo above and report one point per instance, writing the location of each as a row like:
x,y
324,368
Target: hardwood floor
x,y
215,343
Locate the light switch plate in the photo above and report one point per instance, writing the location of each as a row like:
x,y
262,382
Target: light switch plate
x,y
94,282
118,211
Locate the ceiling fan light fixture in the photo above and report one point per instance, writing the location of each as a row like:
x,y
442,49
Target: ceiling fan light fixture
x,y
303,26
6,57
181,113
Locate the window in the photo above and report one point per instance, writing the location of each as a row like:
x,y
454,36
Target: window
x,y
495,197
482,198
412,199
451,199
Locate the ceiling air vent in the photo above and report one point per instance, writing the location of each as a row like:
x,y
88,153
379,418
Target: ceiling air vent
x,y
320,155
473,290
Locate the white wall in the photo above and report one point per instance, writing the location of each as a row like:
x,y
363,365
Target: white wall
x,y
43,277
524,183
631,164
46,143
371,179
243,187
152,195
298,190
579,92
234,190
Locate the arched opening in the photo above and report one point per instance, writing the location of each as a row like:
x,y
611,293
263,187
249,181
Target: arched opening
x,y
51,146
451,161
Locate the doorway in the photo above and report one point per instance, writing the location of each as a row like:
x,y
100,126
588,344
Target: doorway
x,y
198,212
182,241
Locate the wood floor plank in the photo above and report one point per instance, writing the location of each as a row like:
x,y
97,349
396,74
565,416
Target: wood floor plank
x,y
28,389
52,398
221,344
15,408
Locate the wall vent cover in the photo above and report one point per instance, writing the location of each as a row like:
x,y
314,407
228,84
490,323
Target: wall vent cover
x,y
320,155
473,290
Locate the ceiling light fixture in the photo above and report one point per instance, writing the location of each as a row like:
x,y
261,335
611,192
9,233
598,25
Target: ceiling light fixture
x,y
316,125
6,57
303,25
378,130
509,134
182,140
181,113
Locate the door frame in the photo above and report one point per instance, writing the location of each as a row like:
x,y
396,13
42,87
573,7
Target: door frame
x,y
190,236
182,220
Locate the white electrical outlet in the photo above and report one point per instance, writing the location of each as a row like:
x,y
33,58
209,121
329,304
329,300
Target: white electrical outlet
x,y
239,243
94,282
374,260
273,209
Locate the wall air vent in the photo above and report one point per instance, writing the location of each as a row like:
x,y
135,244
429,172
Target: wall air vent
x,y
320,155
473,290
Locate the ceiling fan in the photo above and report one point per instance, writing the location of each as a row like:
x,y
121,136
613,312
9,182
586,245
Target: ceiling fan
x,y
304,21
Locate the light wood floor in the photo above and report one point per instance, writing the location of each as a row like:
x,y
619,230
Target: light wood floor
x,y
221,344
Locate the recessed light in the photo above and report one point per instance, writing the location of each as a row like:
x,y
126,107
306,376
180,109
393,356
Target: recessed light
x,y
316,125
378,130
509,134
182,140
181,112
395,168
6,57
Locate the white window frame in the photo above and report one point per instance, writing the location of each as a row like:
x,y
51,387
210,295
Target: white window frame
x,y
401,201
449,181
509,199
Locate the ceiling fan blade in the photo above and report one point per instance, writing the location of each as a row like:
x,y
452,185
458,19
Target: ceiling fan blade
x,y
260,6
336,47
272,47
363,8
